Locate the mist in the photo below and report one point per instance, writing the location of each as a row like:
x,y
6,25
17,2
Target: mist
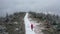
x,y
11,6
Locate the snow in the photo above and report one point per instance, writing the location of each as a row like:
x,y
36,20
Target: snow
x,y
27,25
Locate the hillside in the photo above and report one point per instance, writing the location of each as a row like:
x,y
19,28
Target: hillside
x,y
51,23
13,24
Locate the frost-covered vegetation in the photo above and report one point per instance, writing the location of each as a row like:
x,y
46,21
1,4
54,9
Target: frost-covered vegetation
x,y
51,22
13,24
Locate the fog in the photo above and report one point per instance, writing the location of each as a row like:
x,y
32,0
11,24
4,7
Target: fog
x,y
11,6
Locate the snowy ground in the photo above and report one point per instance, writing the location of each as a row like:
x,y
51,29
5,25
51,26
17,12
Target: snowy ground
x,y
37,29
27,25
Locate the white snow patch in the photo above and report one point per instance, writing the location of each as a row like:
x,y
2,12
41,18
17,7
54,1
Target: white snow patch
x,y
27,25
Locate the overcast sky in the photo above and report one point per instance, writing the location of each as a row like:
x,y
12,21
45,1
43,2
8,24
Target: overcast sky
x,y
12,6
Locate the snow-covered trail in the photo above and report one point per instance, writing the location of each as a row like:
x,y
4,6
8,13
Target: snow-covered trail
x,y
27,25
